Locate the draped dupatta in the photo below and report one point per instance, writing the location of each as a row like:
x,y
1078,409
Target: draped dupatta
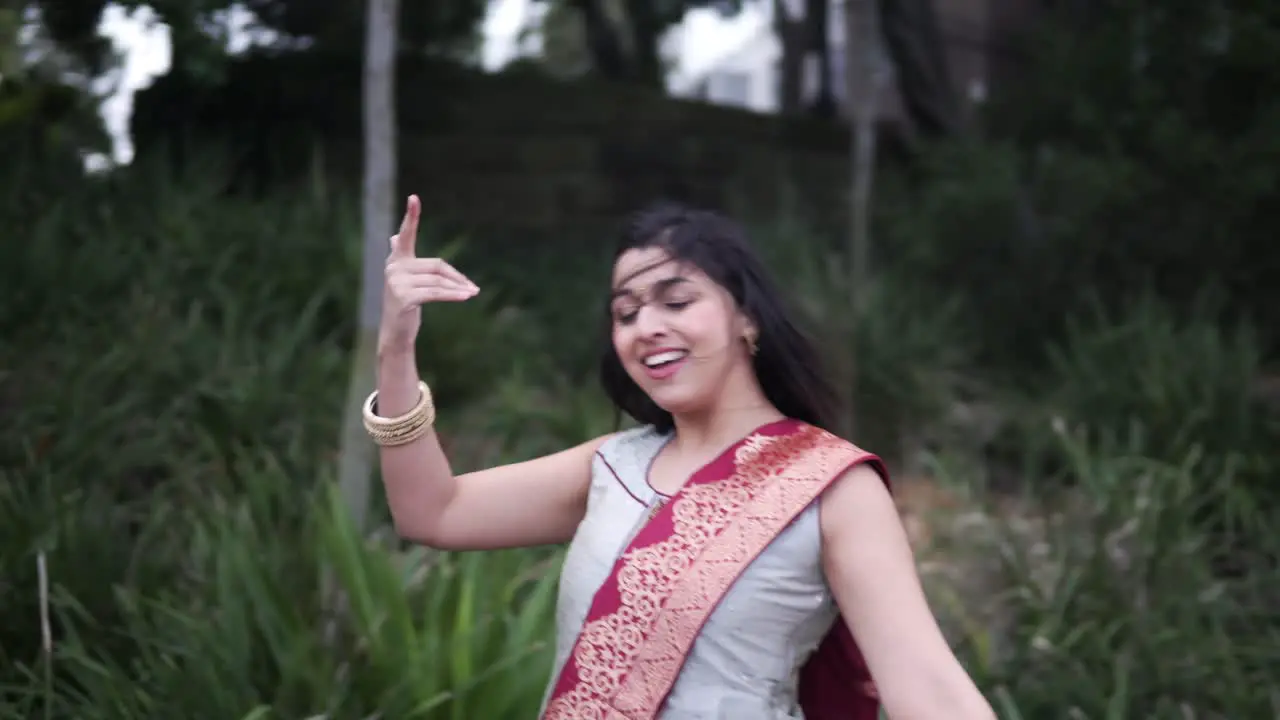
x,y
668,580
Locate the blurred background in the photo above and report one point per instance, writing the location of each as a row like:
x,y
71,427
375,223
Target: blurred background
x,y
1031,236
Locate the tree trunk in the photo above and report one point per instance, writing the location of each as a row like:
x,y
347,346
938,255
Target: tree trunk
x,y
646,26
864,79
791,34
603,40
818,19
11,13
355,462
910,29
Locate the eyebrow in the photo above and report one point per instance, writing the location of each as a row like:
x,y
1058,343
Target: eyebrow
x,y
660,285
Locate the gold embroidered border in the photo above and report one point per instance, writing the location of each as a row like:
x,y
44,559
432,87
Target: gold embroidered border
x,y
646,639
660,659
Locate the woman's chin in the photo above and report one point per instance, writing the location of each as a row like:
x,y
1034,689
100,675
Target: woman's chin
x,y
676,402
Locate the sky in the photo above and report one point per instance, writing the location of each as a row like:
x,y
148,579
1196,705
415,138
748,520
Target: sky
x,y
144,47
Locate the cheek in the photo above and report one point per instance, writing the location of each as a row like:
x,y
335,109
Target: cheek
x,y
704,326
621,343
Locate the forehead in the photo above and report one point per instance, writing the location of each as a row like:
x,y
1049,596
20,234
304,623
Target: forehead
x,y
639,268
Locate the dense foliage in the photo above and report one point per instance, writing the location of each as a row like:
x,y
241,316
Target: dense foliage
x,y
1069,340
171,373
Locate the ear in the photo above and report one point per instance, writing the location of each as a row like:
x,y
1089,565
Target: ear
x,y
747,329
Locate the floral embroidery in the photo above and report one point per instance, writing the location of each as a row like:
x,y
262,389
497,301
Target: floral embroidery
x,y
626,660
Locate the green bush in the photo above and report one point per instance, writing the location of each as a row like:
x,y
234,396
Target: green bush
x,y
1188,383
908,353
1031,234
171,375
1104,602
1186,387
172,371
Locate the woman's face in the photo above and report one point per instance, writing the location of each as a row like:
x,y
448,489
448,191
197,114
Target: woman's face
x,y
678,334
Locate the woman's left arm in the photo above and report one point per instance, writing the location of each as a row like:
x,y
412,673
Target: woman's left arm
x,y
872,572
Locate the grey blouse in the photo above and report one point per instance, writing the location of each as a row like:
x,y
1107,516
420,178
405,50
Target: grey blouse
x,y
745,663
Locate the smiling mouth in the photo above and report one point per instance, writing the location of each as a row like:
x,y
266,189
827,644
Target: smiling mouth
x,y
660,360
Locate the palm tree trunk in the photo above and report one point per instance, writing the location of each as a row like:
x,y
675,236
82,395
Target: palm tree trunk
x,y
356,453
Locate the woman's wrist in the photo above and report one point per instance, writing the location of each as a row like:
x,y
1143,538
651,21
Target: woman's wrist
x,y
395,349
397,379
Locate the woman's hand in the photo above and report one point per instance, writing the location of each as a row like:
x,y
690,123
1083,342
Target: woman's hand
x,y
412,281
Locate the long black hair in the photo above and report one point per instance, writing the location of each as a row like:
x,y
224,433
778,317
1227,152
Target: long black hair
x,y
787,364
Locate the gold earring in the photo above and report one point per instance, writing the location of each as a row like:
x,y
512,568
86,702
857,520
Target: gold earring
x,y
750,337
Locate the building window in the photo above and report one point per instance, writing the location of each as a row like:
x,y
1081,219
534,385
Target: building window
x,y
729,88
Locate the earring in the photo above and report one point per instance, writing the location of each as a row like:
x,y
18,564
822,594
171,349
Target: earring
x,y
750,337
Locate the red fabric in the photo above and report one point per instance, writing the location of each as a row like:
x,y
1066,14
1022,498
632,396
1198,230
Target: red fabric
x,y
835,683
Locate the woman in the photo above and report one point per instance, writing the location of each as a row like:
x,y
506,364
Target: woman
x,y
723,557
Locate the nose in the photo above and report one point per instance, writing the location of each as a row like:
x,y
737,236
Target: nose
x,y
649,323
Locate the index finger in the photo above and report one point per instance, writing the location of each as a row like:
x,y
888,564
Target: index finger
x,y
407,238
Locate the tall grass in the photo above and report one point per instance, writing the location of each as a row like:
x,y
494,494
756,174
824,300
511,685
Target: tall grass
x,y
231,625
173,366
1104,601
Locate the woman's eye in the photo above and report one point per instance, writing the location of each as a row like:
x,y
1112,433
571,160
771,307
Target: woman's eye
x,y
678,304
625,316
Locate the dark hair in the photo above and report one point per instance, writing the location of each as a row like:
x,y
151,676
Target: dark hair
x,y
787,364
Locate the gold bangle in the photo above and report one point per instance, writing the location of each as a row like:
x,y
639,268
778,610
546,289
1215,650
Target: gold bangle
x,y
402,430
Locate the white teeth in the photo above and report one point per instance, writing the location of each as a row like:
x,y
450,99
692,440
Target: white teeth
x,y
663,358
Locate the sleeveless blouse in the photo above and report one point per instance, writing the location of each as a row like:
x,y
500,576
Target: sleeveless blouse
x,y
746,661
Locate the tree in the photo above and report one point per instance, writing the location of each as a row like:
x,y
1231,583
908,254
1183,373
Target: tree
x,y
438,25
48,105
621,36
818,22
865,78
910,30
355,463
10,40
794,42
804,36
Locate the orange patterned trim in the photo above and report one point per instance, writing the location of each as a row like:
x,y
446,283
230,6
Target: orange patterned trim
x,y
628,660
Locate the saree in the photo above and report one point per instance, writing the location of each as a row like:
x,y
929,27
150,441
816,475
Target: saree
x,y
667,581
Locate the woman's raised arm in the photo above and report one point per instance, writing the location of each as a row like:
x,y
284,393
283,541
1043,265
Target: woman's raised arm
x,y
535,502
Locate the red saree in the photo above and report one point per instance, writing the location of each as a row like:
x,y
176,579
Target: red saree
x,y
646,616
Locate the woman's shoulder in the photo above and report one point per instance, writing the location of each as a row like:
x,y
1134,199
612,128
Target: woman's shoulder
x,y
632,446
828,438
641,435
855,458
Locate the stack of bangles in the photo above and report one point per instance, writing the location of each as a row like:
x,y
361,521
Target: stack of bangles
x,y
402,430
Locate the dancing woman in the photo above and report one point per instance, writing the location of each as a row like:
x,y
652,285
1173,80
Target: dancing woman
x,y
730,558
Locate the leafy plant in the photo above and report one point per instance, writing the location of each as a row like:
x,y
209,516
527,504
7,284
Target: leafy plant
x,y
169,420
1107,603
237,625
912,357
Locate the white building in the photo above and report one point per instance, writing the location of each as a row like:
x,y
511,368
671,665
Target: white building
x,y
743,70
738,69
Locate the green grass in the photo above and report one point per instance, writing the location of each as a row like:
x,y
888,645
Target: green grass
x,y
172,366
